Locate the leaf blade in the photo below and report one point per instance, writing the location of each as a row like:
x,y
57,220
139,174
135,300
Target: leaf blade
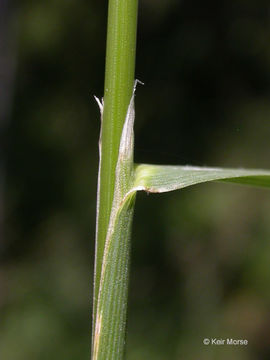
x,y
164,178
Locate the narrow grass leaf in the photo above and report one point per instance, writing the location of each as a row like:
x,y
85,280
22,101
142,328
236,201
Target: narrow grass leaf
x,y
164,178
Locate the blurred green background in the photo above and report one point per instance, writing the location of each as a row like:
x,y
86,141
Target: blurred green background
x,y
200,257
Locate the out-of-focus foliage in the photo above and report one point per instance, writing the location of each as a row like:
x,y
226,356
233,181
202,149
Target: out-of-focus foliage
x,y
206,68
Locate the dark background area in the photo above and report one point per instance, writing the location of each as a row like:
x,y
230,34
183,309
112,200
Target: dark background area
x,y
200,256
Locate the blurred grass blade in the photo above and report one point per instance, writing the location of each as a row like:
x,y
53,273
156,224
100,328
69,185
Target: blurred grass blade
x,y
163,178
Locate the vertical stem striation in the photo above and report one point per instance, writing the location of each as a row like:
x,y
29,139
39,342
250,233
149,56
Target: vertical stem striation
x,y
119,80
